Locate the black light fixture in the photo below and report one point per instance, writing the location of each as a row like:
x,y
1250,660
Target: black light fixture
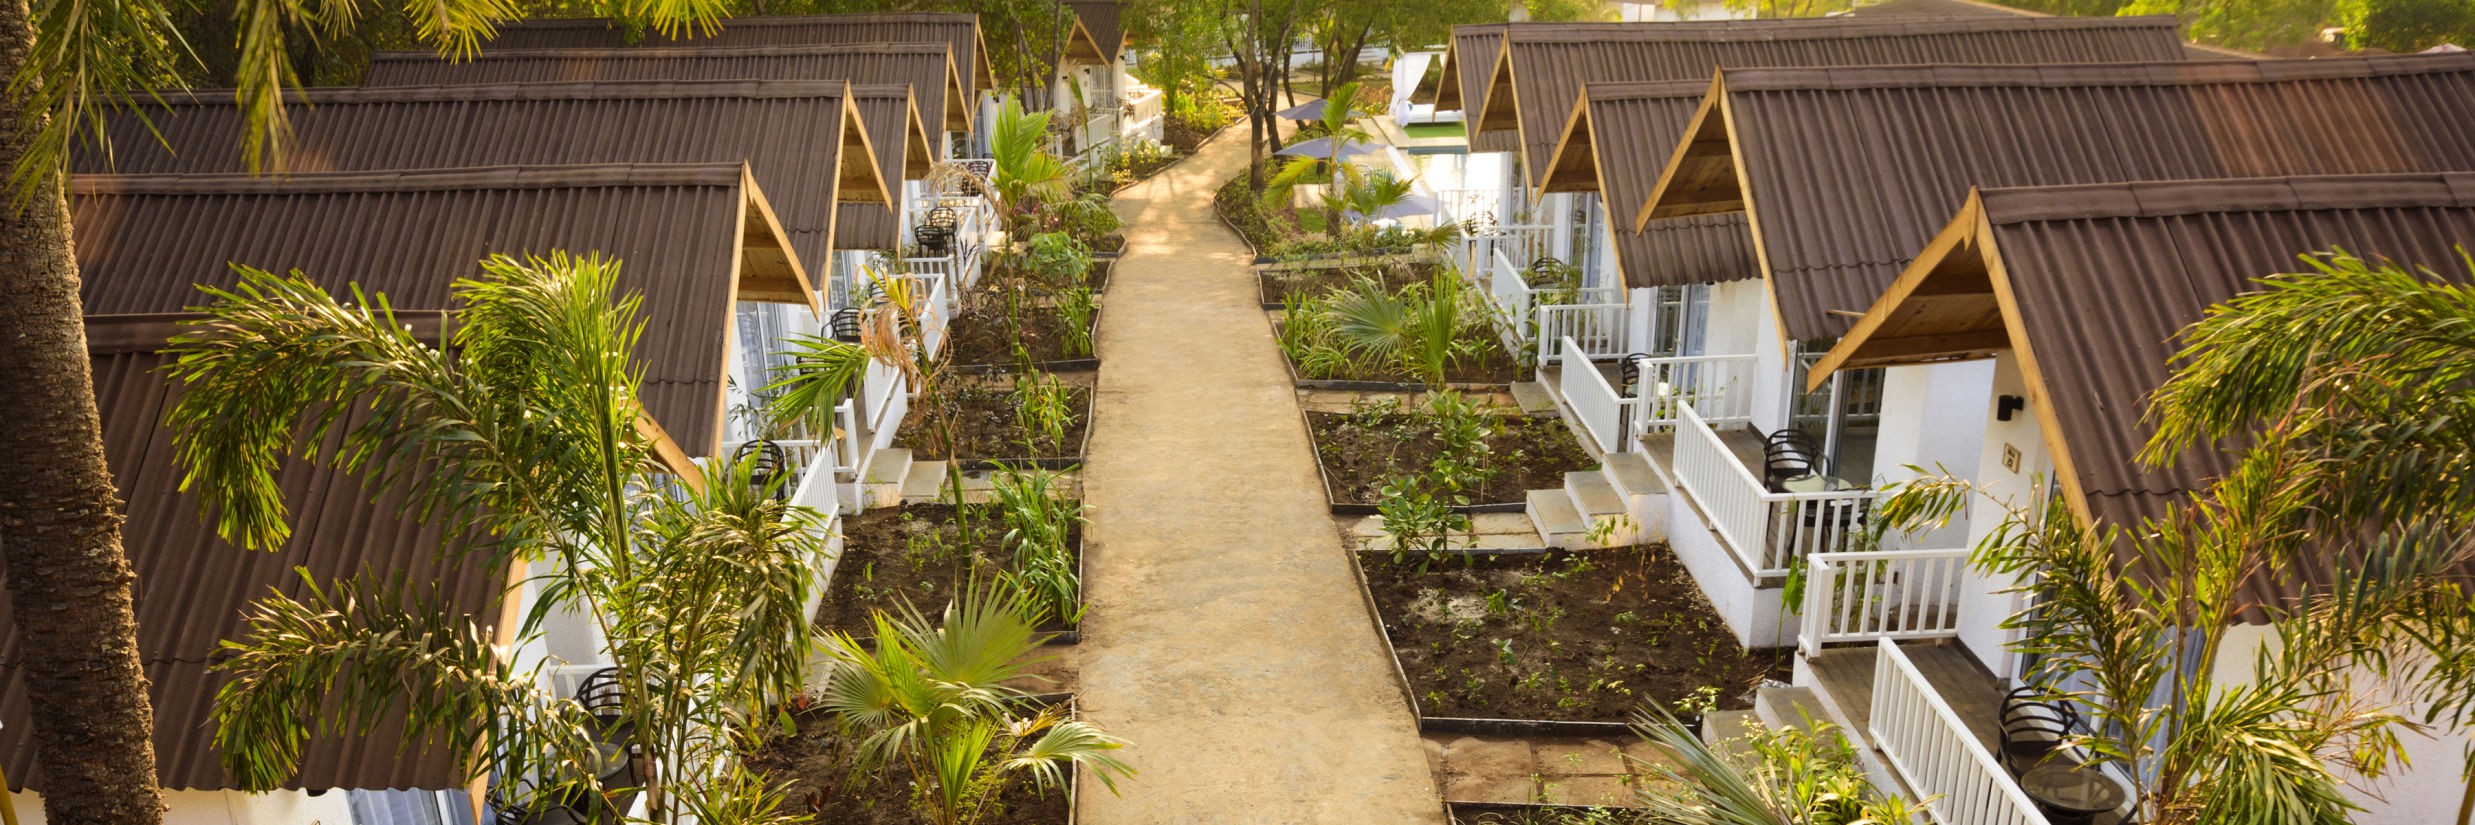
x,y
2004,406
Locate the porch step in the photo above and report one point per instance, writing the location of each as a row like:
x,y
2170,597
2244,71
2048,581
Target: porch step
x,y
1557,520
1633,476
1786,707
925,482
1524,540
1534,398
1724,730
1592,495
881,485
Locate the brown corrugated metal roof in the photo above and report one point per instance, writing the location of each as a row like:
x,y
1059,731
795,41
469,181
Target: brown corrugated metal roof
x,y
776,126
2104,276
192,589
1854,170
1469,61
145,243
961,31
1099,20
1628,118
1547,65
928,68
902,153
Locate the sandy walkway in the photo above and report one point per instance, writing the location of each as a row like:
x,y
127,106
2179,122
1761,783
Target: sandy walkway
x,y
1226,637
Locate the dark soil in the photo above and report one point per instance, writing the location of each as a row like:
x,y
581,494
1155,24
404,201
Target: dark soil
x,y
1360,452
1592,634
1562,816
815,778
1109,243
1280,285
893,555
984,428
982,336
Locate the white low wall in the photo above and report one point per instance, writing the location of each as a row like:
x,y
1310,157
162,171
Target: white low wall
x,y
228,808
1754,615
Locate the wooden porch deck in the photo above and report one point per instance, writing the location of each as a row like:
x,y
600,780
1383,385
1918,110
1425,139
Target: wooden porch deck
x,y
1846,674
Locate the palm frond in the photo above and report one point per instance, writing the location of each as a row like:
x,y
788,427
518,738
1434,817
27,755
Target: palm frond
x,y
1063,744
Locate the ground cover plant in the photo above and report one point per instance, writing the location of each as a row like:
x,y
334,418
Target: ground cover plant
x,y
1430,332
1381,440
1027,543
1570,636
917,725
1035,306
1126,164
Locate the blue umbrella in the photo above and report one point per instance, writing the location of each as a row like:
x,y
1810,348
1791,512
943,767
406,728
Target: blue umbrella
x,y
1310,110
1409,207
1322,148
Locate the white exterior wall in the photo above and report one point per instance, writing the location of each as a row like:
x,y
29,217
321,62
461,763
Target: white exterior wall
x,y
228,808
1755,615
1982,606
1933,415
1771,381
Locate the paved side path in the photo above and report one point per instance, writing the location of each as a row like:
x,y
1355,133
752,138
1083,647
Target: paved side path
x,y
1226,637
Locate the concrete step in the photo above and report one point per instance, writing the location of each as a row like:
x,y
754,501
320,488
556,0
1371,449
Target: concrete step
x,y
1556,518
1786,707
925,481
1533,398
1524,540
882,485
1633,476
1592,495
1724,730
1509,524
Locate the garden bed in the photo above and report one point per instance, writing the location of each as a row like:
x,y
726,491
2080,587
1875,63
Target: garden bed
x,y
975,345
986,435
1557,636
1357,452
1513,813
1278,285
1492,370
811,768
897,555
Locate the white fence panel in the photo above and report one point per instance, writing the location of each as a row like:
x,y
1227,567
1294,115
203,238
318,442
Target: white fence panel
x,y
1718,387
1599,329
1770,532
1597,404
1889,594
1936,754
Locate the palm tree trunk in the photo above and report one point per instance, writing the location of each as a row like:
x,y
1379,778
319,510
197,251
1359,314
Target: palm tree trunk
x,y
68,582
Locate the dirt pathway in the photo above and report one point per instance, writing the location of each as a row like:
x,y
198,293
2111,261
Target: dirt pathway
x,y
1226,637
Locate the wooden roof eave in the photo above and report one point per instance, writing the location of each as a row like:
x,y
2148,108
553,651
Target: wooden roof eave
x,y
1701,177
1966,247
1502,110
769,269
918,155
1448,84
859,180
959,107
1573,166
1081,47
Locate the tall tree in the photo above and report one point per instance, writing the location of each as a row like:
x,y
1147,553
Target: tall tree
x,y
69,62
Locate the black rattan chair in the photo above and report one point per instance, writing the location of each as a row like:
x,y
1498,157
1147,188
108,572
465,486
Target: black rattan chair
x,y
1789,453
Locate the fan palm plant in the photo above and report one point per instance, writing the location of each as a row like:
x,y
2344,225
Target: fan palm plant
x,y
525,434
1371,196
931,698
1786,777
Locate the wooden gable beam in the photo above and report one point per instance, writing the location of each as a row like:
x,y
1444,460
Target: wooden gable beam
x,y
1573,166
1502,110
1081,47
769,270
1701,174
959,107
859,181
1448,84
917,155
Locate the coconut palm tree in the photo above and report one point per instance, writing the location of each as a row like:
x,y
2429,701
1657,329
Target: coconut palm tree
x,y
931,698
69,64
524,433
1024,175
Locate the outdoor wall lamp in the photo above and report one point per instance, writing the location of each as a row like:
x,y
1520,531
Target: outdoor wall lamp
x,y
2004,406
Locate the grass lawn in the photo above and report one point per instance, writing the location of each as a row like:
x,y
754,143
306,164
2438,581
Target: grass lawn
x,y
1434,130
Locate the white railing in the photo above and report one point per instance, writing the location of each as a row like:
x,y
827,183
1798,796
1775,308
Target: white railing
x,y
1145,123
1719,388
1509,292
1881,594
1599,329
848,449
1936,754
1598,405
1769,532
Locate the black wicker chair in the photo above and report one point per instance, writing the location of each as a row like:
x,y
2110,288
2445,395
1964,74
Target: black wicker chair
x,y
1789,453
768,463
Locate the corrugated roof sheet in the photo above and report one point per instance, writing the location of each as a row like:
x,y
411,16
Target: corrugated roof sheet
x,y
894,131
2181,247
1100,18
1549,63
145,243
192,588
961,31
1854,170
1627,118
775,126
1469,60
928,68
